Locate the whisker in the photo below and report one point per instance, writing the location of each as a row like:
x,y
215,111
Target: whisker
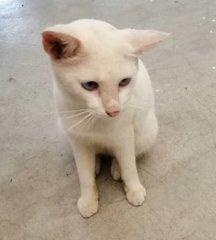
x,y
136,107
135,104
77,124
69,111
86,124
95,117
78,114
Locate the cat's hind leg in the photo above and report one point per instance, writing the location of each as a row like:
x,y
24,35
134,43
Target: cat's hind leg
x,y
97,165
145,134
115,170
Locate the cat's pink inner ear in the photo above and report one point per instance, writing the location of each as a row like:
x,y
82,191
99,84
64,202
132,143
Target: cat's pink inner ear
x,y
60,45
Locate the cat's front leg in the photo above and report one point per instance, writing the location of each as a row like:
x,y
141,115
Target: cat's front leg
x,y
125,154
85,162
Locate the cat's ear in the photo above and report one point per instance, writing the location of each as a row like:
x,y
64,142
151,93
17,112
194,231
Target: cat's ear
x,y
59,45
142,40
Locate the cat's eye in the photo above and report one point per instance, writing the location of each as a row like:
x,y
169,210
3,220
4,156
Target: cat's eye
x,y
124,82
90,86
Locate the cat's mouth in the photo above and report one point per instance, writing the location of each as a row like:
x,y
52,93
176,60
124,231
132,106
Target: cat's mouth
x,y
112,114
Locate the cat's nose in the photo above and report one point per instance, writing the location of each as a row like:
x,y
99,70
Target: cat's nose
x,y
113,114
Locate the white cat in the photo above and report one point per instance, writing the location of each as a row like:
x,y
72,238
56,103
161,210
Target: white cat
x,y
105,100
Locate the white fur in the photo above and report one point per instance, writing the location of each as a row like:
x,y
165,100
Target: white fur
x,y
109,58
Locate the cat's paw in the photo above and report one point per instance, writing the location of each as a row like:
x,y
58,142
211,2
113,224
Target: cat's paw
x,y
87,208
136,196
115,171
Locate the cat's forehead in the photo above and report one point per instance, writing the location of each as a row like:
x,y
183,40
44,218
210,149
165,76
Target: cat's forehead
x,y
96,36
104,70
104,52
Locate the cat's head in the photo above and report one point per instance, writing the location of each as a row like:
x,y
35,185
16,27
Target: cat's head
x,y
96,63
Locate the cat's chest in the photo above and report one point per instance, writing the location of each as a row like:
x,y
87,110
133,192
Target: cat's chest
x,y
103,132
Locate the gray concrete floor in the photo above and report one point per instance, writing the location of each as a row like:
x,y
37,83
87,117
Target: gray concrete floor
x,y
38,180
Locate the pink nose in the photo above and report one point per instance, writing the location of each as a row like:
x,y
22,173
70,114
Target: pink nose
x,y
113,114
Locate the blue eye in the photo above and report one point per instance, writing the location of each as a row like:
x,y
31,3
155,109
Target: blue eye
x,y
90,86
124,82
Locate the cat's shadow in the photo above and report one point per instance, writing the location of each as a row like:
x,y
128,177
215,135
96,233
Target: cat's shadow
x,y
110,190
106,162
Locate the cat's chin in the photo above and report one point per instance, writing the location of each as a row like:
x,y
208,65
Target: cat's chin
x,y
106,117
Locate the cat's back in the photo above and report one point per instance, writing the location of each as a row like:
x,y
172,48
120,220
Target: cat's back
x,y
143,91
